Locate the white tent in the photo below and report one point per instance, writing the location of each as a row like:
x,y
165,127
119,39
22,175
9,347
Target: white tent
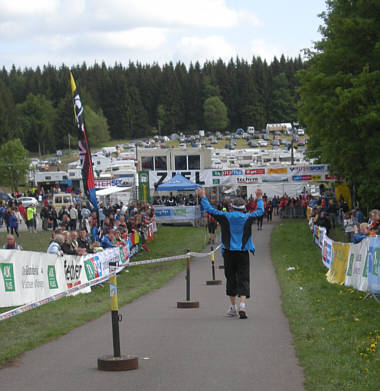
x,y
114,194
111,190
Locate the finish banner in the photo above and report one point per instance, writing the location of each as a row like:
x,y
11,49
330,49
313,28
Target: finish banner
x,y
337,272
356,274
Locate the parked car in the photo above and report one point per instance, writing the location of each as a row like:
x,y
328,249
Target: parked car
x,y
53,161
27,201
266,137
239,131
253,143
276,143
6,197
43,164
262,143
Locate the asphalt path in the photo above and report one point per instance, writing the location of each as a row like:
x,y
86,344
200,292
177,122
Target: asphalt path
x,y
178,349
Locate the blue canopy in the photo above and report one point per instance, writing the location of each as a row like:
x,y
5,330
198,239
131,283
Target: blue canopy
x,y
178,182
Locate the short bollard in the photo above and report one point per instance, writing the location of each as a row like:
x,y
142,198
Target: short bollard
x,y
117,362
213,281
188,303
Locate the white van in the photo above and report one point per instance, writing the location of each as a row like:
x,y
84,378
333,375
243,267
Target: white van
x,y
251,130
60,199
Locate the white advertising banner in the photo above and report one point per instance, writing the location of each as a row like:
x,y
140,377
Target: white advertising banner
x,y
27,276
245,176
356,273
327,251
319,235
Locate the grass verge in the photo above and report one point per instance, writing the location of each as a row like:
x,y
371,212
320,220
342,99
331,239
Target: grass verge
x,y
336,332
33,328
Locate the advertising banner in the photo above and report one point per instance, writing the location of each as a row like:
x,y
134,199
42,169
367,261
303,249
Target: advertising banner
x,y
176,213
240,176
327,252
374,265
356,274
337,272
144,190
281,170
27,276
312,169
319,235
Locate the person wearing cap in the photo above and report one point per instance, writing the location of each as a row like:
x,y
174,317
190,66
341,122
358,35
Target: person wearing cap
x,y
236,227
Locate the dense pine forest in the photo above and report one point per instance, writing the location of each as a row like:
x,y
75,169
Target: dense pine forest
x,y
134,101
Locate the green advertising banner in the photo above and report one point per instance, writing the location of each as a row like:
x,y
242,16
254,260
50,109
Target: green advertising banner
x,y
8,276
144,194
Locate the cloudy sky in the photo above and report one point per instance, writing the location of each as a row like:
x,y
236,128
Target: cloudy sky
x,y
38,32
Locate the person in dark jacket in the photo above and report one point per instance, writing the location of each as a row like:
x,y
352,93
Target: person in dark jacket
x,y
84,242
68,249
323,221
236,227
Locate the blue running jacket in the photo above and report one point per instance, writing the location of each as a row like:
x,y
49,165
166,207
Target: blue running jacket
x,y
235,226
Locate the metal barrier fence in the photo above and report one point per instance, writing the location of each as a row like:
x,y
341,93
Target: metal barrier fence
x,y
292,212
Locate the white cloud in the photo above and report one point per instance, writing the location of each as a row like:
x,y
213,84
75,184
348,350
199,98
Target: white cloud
x,y
249,18
138,38
10,30
202,49
20,8
265,50
195,13
57,43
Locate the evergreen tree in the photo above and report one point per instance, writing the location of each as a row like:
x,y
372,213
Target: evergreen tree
x,y
340,95
9,125
283,106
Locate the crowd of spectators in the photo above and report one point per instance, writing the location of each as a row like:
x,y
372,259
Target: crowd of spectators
x,y
329,213
107,228
77,229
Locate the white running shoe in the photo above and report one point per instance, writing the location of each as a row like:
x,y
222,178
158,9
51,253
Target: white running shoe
x,y
232,312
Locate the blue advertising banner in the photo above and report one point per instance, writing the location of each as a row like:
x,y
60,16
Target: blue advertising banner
x,y
176,213
374,265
